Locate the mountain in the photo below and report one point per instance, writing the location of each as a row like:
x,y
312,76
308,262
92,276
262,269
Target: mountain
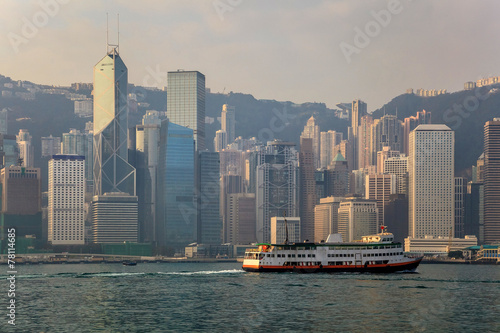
x,y
50,112
464,111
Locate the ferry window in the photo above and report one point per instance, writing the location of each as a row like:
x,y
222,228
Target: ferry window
x,y
314,256
289,256
293,255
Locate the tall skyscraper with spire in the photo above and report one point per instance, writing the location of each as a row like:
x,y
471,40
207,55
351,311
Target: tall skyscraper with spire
x,y
112,172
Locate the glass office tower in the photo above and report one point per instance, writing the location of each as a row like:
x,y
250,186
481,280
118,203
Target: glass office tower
x,y
186,103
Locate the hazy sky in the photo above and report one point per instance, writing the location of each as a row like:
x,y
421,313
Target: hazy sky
x,y
284,50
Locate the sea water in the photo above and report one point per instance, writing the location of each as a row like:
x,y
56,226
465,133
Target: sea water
x,y
220,297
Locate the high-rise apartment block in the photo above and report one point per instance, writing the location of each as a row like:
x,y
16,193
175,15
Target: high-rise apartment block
x,y
186,103
431,181
66,215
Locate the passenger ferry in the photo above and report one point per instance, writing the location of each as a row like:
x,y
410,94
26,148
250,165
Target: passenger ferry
x,y
374,253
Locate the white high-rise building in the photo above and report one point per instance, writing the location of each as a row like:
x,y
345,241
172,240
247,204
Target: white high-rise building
x,y
66,200
431,181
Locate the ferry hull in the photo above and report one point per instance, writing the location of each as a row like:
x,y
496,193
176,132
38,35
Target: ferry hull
x,y
386,268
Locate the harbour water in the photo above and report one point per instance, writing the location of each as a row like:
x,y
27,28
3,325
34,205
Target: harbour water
x,y
220,297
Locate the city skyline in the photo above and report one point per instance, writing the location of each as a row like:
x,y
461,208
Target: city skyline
x,y
198,35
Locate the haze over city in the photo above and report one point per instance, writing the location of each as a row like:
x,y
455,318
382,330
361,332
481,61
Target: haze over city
x,y
283,50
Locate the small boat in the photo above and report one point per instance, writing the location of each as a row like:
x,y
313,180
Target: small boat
x,y
129,263
373,254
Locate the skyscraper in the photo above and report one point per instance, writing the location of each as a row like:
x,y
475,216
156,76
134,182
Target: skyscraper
x,y
337,177
26,151
209,219
66,200
147,138
386,132
51,146
307,188
431,181
359,109
311,131
460,204
176,212
276,185
78,143
364,142
240,218
186,103
328,141
112,172
409,124
357,218
379,187
398,165
220,140
492,181
228,122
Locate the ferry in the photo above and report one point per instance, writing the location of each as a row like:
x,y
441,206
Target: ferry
x,y
376,253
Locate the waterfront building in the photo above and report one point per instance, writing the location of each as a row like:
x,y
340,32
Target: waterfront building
x,y
431,181
438,245
114,217
66,215
230,184
186,103
474,211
